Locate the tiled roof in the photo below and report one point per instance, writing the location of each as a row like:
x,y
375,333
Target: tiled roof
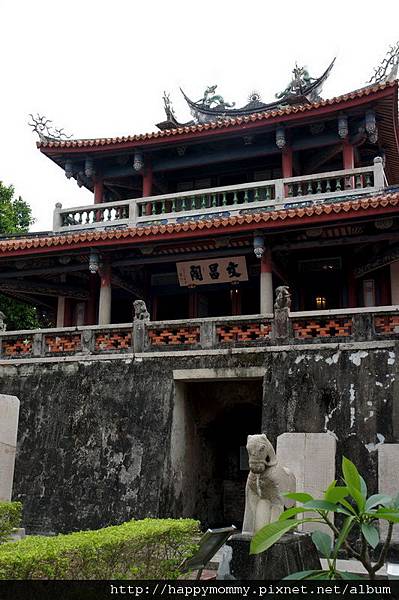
x,y
289,216
220,124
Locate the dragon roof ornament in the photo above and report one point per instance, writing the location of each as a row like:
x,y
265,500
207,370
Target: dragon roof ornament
x,y
387,70
45,130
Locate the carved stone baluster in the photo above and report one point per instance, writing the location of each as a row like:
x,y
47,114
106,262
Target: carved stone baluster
x,y
224,199
319,189
256,194
338,186
235,198
358,181
368,180
183,203
193,206
214,202
245,196
268,193
309,189
299,189
290,189
328,186
154,208
163,207
173,209
348,182
203,201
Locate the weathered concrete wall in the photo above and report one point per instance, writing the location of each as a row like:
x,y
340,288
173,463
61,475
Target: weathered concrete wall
x,y
95,437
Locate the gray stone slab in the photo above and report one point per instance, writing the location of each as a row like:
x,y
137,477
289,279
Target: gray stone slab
x,y
9,412
311,457
388,469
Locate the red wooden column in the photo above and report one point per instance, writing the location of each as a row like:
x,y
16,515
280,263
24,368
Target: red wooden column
x,y
192,303
235,294
286,162
348,160
68,314
98,190
91,312
348,155
147,187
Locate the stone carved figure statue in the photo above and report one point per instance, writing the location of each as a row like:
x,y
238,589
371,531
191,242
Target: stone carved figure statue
x,y
282,306
140,311
267,481
283,297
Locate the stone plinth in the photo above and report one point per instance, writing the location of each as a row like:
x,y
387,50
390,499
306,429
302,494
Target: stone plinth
x,y
9,412
293,552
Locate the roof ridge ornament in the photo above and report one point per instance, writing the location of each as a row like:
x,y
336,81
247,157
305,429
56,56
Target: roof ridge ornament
x,y
45,130
303,89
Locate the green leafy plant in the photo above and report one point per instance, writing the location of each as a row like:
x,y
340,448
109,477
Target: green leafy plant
x,y
146,549
360,517
10,519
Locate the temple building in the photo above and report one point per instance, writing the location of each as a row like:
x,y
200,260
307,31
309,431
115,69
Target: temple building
x,y
235,274
204,219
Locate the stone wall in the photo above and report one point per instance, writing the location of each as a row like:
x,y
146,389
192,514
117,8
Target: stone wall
x,y
104,439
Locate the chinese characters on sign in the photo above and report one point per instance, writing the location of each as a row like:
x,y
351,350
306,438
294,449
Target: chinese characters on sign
x,y
217,270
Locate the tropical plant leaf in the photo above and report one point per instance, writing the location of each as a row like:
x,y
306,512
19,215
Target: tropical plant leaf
x,y
371,534
303,574
320,575
358,497
291,512
323,543
298,496
336,494
363,487
391,516
270,534
348,506
377,499
345,529
321,505
351,474
347,575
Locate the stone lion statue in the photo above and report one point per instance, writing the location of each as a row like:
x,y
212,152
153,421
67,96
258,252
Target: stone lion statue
x,y
283,297
140,311
267,481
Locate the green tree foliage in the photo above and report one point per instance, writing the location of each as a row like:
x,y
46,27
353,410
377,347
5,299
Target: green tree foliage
x,y
15,217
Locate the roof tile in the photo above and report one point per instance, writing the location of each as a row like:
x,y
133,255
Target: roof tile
x,y
219,124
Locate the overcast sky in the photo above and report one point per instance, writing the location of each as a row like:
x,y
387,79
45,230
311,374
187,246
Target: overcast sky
x,y
99,68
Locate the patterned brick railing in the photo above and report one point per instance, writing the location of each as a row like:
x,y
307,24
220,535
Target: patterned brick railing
x,y
17,346
238,332
339,326
169,335
319,327
113,341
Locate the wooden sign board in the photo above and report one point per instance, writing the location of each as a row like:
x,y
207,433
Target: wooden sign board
x,y
216,270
